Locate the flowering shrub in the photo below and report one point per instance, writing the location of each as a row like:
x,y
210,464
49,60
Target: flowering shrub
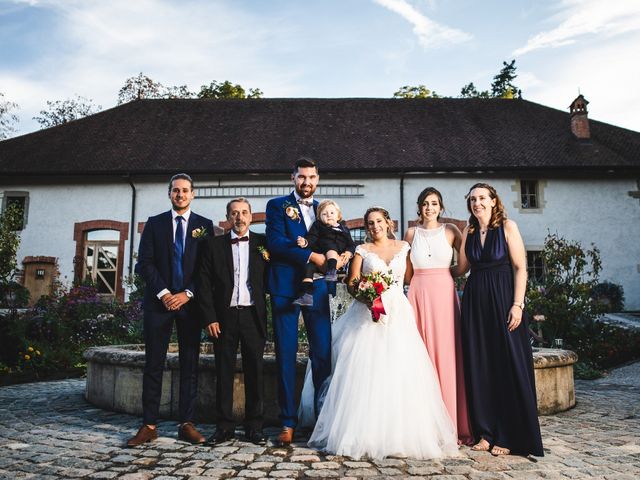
x,y
604,345
31,359
567,303
610,296
564,295
64,325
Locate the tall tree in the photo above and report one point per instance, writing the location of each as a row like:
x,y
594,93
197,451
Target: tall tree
x,y
140,87
178,92
63,111
7,118
470,91
415,92
503,86
227,90
10,219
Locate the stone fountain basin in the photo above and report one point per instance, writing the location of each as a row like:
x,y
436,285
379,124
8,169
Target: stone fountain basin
x,y
114,381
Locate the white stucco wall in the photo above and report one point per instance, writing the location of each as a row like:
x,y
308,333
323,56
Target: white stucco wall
x,y
598,211
589,211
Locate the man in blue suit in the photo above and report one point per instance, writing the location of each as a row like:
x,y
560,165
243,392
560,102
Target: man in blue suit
x,y
166,261
287,218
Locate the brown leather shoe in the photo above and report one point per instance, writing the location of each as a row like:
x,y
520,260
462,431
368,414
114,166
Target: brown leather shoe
x,y
285,437
188,433
144,435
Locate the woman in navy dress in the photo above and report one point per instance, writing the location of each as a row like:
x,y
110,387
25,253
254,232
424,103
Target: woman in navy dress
x,y
498,362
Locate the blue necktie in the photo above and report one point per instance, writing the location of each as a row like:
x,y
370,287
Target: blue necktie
x,y
177,279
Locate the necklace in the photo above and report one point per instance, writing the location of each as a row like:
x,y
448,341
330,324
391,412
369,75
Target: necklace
x,y
427,236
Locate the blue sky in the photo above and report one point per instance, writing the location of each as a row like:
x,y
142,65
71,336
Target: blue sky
x,y
53,50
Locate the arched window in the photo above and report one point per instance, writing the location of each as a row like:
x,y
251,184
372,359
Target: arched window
x,y
101,260
100,255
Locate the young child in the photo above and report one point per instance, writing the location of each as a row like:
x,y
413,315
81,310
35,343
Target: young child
x,y
329,235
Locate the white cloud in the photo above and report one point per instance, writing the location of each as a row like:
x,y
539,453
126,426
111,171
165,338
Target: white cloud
x,y
430,34
528,80
605,77
91,47
580,18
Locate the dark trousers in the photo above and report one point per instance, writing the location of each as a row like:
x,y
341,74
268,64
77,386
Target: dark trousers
x,y
240,326
317,320
157,333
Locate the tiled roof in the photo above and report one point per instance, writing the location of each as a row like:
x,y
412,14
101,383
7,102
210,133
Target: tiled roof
x,y
343,135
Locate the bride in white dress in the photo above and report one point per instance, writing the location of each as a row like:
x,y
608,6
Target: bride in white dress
x,y
383,397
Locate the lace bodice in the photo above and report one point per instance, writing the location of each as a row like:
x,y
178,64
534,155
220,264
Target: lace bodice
x,y
371,262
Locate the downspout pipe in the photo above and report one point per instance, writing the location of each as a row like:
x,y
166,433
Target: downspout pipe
x,y
401,205
132,223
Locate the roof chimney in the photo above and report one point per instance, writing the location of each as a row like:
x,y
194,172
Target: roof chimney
x,y
579,118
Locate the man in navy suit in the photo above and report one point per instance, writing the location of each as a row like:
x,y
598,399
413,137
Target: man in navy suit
x,y
166,261
288,218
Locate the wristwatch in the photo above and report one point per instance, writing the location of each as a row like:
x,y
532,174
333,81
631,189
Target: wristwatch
x,y
519,304
189,293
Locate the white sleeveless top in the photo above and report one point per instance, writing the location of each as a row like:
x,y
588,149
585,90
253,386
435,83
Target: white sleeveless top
x,y
430,248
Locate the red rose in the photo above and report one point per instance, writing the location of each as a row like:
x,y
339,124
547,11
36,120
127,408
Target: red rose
x,y
379,288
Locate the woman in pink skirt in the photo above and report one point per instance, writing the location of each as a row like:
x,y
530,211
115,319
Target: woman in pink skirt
x,y
433,296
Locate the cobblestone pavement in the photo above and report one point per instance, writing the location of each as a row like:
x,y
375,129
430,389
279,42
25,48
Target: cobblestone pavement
x,y
48,431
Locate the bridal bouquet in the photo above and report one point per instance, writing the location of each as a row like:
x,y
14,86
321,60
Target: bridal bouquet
x,y
368,289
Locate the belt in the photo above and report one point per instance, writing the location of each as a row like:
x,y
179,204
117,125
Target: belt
x,y
240,307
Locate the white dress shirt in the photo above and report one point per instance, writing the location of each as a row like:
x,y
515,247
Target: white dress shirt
x,y
241,295
185,222
308,213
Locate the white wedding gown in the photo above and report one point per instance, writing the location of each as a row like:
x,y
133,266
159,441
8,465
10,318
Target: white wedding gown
x,y
383,396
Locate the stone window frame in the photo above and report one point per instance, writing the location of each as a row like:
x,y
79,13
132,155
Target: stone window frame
x,y
534,249
21,194
540,188
80,230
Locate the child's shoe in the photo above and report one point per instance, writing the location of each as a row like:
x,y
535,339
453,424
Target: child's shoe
x,y
331,275
305,300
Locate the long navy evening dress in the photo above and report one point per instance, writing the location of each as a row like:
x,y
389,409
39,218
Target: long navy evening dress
x,y
498,364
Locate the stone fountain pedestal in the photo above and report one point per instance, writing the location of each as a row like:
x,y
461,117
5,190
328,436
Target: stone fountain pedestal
x,y
553,370
114,381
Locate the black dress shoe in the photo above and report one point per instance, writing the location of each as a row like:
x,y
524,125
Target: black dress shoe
x,y
220,436
256,437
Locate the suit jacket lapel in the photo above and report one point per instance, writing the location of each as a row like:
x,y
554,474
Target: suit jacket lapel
x,y
253,253
189,243
167,224
294,203
228,255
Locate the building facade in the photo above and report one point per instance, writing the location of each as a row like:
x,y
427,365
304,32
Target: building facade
x,y
87,187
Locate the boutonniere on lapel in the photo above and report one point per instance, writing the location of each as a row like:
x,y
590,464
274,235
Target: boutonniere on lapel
x,y
199,232
265,253
292,212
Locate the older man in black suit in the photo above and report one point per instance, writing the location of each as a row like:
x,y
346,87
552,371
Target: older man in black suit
x,y
231,296
166,261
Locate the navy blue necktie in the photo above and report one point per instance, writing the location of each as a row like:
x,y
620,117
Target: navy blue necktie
x,y
177,279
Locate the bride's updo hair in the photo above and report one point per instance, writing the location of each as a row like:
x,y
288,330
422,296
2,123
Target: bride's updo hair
x,y
390,223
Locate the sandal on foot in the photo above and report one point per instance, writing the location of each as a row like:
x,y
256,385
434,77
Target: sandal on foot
x,y
481,446
497,451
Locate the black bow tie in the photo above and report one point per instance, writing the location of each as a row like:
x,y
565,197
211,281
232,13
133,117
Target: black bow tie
x,y
308,203
239,239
